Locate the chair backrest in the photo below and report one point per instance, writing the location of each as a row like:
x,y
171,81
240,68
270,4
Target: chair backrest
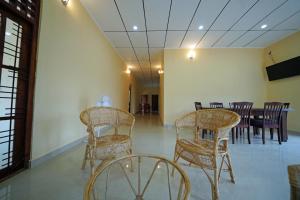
x,y
198,105
219,121
106,116
286,106
243,109
272,112
216,105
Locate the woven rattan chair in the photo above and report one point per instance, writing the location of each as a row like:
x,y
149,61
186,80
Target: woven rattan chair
x,y
111,145
209,155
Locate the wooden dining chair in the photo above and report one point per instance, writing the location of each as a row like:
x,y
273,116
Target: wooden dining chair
x,y
244,110
216,105
198,105
271,119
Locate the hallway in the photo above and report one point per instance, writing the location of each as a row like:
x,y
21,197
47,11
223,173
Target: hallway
x,y
260,170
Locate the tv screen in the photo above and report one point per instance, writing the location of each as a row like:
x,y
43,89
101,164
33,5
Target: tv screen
x,y
284,69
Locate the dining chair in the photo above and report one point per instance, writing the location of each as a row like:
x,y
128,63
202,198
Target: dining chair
x,y
204,153
198,105
216,105
110,145
244,110
271,119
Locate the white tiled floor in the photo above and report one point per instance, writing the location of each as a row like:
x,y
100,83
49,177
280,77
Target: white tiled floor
x,y
260,170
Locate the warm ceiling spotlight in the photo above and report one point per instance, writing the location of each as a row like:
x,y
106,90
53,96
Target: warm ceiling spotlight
x,y
200,27
135,28
127,71
264,26
160,71
191,54
65,2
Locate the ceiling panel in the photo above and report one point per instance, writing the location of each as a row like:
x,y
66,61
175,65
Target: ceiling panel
x,y
156,38
249,36
191,39
207,12
269,37
126,53
257,13
291,23
105,14
228,38
288,9
210,38
138,39
142,54
157,12
181,14
232,13
174,39
132,13
118,39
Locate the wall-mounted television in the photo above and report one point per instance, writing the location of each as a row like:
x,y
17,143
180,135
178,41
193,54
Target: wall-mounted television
x,y
284,69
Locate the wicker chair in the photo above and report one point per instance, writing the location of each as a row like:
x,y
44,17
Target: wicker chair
x,y
111,145
206,154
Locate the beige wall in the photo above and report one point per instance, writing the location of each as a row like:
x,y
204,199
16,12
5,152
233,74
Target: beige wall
x,y
288,89
76,66
223,75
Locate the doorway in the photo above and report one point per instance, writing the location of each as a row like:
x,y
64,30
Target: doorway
x,y
17,41
154,103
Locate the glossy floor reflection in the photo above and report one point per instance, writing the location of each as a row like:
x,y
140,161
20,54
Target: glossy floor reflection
x,y
260,170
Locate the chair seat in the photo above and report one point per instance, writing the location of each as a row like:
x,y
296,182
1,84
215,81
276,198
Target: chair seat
x,y
259,123
111,145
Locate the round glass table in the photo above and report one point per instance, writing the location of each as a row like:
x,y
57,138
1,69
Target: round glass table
x,y
138,177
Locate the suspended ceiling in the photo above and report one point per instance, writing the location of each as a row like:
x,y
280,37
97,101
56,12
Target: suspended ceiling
x,y
189,24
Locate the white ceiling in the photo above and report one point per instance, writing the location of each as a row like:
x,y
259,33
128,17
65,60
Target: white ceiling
x,y
174,24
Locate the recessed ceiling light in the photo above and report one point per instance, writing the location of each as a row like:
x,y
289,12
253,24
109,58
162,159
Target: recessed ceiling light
x,y
8,33
135,27
200,27
264,26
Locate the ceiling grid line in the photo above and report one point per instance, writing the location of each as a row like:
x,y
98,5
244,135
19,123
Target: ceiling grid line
x,y
145,20
190,23
257,23
129,38
234,24
212,23
168,23
273,27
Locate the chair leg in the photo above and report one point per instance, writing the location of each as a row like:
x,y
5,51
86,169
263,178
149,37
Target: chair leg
x,y
248,134
86,152
263,135
232,131
236,132
215,187
230,168
279,135
271,133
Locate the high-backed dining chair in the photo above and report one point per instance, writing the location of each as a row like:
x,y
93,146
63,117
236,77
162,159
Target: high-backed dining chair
x,y
244,110
204,153
111,145
271,119
198,105
216,105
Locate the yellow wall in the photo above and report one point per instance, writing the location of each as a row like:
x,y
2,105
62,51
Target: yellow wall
x,y
223,75
76,66
288,89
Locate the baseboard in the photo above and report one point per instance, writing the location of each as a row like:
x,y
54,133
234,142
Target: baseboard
x,y
293,132
56,152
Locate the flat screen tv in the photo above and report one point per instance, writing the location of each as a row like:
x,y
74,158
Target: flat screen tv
x,y
284,69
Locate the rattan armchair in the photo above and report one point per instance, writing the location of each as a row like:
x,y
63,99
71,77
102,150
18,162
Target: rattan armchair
x,y
111,145
209,155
